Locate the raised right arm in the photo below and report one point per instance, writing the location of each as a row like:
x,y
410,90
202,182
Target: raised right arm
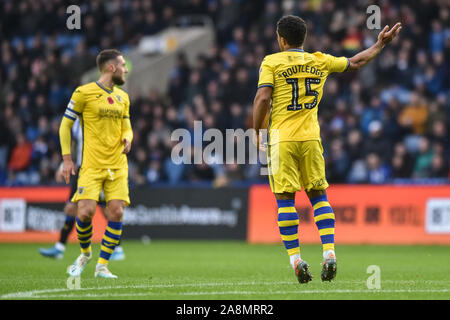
x,y
364,57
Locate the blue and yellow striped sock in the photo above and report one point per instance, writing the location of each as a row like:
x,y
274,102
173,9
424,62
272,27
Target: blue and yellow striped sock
x,y
84,232
110,240
288,224
324,219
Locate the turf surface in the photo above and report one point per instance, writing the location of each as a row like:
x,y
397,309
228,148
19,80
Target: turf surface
x,y
182,270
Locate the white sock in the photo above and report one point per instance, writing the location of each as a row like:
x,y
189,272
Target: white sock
x,y
99,266
293,258
327,253
59,246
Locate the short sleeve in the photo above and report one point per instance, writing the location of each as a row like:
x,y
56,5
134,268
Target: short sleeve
x,y
75,106
266,76
337,64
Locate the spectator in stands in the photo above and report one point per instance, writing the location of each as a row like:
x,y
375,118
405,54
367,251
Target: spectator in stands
x,y
376,142
439,168
377,172
422,166
201,172
374,112
402,162
339,162
20,155
414,115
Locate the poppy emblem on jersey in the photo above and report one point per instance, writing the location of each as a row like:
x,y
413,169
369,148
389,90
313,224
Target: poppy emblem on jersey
x,y
110,100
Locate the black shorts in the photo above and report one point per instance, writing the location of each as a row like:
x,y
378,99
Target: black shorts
x,y
73,185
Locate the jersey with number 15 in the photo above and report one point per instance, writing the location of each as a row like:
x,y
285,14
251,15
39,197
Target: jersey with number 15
x,y
297,78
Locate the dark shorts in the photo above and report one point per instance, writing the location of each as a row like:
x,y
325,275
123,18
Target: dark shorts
x,y
73,185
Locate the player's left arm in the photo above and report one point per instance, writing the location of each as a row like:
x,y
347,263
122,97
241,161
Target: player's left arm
x,y
127,130
263,98
261,106
73,110
364,57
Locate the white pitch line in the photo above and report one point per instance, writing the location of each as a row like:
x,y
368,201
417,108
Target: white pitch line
x,y
71,293
34,293
313,292
246,293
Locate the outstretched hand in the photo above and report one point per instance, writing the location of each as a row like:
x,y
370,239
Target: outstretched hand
x,y
386,35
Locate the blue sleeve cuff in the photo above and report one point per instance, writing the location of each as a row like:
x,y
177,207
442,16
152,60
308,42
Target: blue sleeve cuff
x,y
265,85
348,64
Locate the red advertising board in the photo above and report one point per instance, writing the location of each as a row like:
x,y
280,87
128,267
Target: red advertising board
x,y
364,214
13,214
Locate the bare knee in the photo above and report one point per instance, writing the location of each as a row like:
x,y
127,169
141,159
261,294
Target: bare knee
x,y
285,196
86,210
70,209
115,209
315,193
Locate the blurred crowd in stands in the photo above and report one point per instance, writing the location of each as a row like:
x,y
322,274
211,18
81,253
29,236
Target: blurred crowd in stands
x,y
389,122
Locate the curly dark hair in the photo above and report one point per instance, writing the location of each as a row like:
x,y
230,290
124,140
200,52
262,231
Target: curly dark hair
x,y
292,29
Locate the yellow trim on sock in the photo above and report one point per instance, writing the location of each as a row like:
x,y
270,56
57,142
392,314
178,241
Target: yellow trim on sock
x,y
293,251
106,249
321,204
84,235
289,237
102,261
286,210
326,231
288,223
83,229
106,238
328,246
86,250
84,241
114,231
324,216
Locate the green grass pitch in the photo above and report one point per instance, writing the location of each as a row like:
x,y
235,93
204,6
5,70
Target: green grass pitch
x,y
201,270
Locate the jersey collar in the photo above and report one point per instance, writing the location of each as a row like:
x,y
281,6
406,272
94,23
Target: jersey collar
x,y
296,50
104,88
